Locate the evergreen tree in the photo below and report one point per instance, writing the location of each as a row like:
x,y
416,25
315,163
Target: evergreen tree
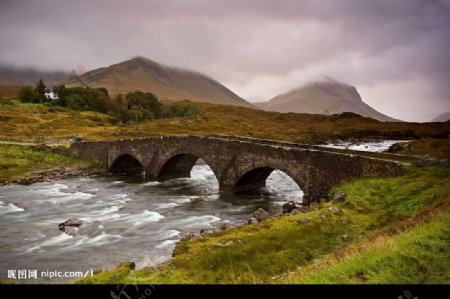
x,y
61,93
41,89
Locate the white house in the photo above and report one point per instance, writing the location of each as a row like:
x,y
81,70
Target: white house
x,y
51,95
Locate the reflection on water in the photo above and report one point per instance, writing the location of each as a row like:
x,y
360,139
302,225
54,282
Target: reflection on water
x,y
124,218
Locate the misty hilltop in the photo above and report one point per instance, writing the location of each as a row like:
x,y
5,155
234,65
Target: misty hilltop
x,y
442,117
166,82
326,96
11,76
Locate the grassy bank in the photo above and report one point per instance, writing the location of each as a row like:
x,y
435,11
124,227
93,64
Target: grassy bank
x,y
415,256
21,162
394,227
20,121
438,148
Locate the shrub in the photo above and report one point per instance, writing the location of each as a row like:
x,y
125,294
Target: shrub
x,y
27,94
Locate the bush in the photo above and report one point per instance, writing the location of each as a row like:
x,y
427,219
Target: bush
x,y
27,94
182,110
145,101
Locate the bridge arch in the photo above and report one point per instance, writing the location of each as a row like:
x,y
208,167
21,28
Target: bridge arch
x,y
126,164
176,165
254,178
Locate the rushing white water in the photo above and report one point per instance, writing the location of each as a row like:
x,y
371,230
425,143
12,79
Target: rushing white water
x,y
376,146
124,219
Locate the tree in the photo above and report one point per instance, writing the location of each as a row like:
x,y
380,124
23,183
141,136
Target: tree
x,y
61,93
145,100
40,90
27,94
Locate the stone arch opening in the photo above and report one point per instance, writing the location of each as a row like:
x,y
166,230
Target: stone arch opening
x,y
126,164
180,166
269,180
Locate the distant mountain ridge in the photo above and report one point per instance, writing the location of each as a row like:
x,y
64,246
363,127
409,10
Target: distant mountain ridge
x,y
326,96
166,82
442,117
11,76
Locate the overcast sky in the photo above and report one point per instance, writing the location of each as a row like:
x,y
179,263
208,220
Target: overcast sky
x,y
395,52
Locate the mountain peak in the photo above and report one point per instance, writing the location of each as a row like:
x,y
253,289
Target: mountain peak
x,y
328,80
166,82
324,96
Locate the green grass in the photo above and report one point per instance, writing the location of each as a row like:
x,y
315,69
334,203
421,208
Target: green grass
x,y
268,251
416,256
16,162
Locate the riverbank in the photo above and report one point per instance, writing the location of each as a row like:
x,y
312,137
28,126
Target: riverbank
x,y
30,164
349,237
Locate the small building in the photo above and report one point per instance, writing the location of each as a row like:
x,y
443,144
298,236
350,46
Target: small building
x,y
51,95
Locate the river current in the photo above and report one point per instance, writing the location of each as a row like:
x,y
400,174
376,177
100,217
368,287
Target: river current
x,y
124,218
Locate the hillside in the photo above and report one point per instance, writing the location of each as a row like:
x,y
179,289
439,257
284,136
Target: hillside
x,y
167,83
442,117
323,97
10,76
19,121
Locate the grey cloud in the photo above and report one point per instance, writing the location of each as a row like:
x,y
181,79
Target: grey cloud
x,y
256,48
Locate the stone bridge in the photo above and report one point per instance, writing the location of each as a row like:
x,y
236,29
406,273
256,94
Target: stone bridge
x,y
240,164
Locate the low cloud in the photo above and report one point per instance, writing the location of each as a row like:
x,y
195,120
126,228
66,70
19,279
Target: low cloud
x,y
394,52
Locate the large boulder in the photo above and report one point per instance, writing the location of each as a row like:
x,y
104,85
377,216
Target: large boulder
x,y
261,215
288,207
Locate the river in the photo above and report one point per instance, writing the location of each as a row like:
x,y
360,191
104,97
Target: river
x,y
125,219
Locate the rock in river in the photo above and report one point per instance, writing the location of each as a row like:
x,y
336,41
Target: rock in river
x,y
70,226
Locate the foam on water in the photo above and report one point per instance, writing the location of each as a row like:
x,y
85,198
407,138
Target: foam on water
x,y
365,146
53,194
102,215
123,219
199,221
99,240
166,205
6,208
168,234
55,240
166,243
143,218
